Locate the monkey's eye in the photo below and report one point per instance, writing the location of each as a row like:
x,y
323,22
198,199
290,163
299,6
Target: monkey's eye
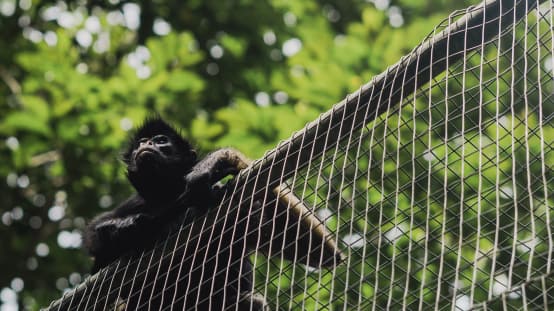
x,y
160,139
142,140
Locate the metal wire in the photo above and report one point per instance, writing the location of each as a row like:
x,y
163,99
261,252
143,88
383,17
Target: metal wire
x,y
436,178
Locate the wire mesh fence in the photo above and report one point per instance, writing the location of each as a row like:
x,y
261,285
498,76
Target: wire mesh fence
x,y
435,180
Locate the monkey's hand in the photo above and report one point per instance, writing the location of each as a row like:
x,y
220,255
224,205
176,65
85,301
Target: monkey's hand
x,y
203,180
217,165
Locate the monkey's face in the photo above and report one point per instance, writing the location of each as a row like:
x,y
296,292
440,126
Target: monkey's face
x,y
152,148
157,159
154,153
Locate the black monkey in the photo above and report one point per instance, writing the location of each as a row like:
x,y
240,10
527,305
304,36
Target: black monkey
x,y
169,180
157,160
162,167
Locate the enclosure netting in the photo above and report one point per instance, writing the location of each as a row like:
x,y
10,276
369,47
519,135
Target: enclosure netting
x,y
435,179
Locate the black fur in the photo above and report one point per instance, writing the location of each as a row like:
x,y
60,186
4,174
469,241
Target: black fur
x,y
162,167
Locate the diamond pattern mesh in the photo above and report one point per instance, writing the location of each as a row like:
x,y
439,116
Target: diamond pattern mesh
x,y
435,180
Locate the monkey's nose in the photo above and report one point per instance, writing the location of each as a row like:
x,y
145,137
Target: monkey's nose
x,y
147,143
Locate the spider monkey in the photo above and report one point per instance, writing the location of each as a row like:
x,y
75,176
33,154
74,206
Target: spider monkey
x,y
163,168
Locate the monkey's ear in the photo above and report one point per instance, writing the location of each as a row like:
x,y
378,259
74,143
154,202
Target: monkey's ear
x,y
292,231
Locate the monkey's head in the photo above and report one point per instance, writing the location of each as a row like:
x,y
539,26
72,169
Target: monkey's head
x,y
157,159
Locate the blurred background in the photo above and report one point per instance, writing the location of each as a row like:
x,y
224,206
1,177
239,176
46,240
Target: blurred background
x,y
77,76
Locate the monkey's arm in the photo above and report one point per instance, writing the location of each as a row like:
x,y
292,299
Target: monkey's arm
x,y
216,165
113,233
202,181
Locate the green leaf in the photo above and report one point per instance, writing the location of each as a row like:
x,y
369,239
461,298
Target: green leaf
x,y
25,121
234,45
36,106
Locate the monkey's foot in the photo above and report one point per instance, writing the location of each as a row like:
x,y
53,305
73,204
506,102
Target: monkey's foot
x,y
253,302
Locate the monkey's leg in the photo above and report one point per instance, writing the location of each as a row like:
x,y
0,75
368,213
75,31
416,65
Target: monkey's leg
x,y
297,233
108,236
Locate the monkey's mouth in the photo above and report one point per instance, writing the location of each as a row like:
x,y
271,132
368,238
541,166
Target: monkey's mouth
x,y
145,152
